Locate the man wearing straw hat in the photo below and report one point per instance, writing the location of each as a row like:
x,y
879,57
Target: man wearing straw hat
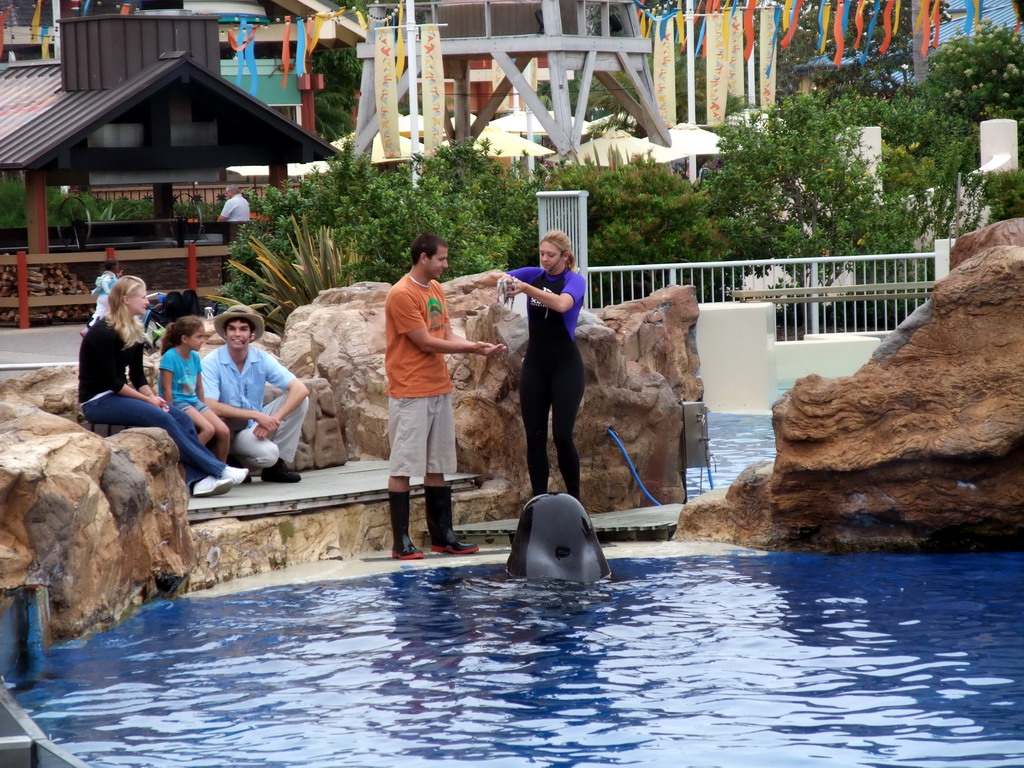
x,y
234,379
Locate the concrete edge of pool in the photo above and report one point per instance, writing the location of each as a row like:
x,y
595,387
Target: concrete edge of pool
x,y
373,563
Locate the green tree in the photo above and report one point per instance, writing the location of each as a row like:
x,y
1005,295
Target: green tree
x,y
980,77
640,213
335,103
792,184
486,212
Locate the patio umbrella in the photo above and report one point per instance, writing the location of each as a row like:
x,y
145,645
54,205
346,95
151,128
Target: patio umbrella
x,y
377,151
621,146
515,122
505,144
405,124
690,140
294,169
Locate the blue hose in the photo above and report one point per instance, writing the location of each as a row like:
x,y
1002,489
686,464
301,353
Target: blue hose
x,y
632,468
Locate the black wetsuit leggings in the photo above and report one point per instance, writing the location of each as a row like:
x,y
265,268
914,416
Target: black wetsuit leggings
x,y
551,382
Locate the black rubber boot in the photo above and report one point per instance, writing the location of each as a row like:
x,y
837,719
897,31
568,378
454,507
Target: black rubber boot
x,y
279,473
439,522
402,547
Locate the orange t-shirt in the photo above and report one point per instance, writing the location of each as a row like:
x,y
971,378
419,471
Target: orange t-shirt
x,y
411,371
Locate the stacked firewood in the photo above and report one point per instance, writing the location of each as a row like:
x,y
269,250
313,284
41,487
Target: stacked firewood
x,y
45,280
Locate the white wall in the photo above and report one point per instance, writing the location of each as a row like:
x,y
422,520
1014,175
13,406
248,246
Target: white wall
x,y
742,365
736,345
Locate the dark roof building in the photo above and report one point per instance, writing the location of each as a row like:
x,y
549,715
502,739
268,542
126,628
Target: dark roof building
x,y
134,102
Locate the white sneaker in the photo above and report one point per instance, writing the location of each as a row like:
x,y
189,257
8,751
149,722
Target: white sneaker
x,y
212,486
235,474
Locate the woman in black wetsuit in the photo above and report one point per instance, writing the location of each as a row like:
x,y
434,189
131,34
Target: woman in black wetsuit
x,y
552,377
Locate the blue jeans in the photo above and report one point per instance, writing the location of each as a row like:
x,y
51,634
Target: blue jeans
x,y
132,412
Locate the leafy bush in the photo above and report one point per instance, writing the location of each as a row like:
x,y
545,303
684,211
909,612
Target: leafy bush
x,y
284,280
486,212
979,77
1004,195
640,213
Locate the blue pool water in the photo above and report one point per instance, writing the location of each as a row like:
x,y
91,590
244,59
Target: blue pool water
x,y
741,660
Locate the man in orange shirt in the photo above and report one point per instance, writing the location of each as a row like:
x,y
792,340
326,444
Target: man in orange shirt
x,y
421,425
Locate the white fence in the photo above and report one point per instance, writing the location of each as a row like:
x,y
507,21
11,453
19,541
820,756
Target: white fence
x,y
716,281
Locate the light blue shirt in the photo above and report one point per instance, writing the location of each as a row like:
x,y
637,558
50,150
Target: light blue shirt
x,y
183,376
223,382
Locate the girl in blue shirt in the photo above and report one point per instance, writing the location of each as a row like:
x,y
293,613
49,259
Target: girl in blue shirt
x,y
181,381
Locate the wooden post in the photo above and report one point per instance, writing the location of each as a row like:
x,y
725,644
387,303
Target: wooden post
x,y
278,175
35,211
23,290
191,269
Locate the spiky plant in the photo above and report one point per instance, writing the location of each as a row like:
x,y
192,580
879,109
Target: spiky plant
x,y
315,262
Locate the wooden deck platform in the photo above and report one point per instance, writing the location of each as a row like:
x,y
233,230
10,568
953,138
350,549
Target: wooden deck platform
x,y
644,524
359,482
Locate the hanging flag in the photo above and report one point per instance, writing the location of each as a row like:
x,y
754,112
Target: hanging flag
x,y
34,25
400,56
787,11
737,70
286,50
433,88
748,29
770,21
839,32
386,91
788,38
858,22
665,72
3,24
871,32
824,14
887,26
936,21
300,47
717,69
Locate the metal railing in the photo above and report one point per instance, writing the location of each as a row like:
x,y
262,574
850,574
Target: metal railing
x,y
715,282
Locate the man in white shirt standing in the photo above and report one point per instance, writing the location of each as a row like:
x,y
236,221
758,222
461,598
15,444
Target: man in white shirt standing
x,y
236,208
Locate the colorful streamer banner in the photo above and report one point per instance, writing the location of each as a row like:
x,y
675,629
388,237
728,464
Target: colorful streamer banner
x,y
3,24
717,69
770,20
433,88
497,75
665,72
385,88
737,67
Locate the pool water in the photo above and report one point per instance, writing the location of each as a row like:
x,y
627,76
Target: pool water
x,y
748,660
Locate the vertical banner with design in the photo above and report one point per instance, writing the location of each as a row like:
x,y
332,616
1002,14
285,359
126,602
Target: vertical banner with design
x,y
717,68
737,64
769,32
497,75
433,88
665,70
386,90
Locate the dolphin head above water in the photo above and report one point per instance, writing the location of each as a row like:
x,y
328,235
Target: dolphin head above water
x,y
556,540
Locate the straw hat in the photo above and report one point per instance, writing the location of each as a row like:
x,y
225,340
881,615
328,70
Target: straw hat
x,y
238,312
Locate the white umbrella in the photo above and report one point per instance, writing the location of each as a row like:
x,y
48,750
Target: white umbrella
x,y
377,152
515,122
620,146
505,144
294,169
690,140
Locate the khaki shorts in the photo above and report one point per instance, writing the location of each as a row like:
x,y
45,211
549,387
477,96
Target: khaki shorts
x,y
422,435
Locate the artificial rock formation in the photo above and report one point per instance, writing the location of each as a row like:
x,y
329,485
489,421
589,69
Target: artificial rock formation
x,y
100,523
1008,232
921,449
639,358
